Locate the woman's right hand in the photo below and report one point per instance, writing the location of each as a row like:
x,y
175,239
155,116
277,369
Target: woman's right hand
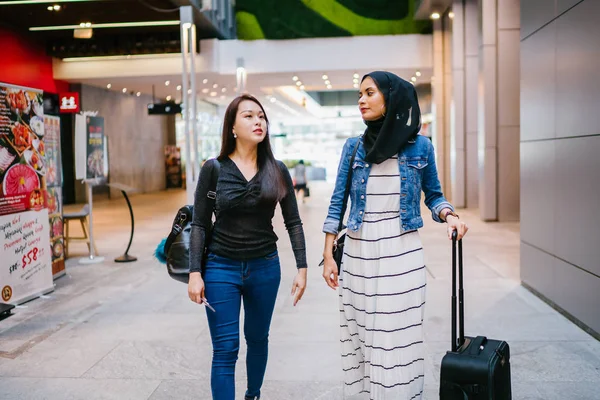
x,y
196,287
330,272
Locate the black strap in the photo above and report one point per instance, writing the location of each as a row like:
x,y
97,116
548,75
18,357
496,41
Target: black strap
x,y
348,185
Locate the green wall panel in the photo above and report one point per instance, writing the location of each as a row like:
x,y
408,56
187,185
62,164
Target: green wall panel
x,y
294,19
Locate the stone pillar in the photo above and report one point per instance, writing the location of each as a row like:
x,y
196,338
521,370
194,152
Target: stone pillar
x,y
499,109
463,126
440,100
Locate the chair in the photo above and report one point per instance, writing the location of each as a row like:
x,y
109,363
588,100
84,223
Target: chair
x,y
80,215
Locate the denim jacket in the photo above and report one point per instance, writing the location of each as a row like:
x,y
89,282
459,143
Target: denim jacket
x,y
416,162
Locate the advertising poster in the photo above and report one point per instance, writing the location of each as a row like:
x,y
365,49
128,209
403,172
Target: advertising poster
x,y
95,147
25,271
54,193
173,167
22,148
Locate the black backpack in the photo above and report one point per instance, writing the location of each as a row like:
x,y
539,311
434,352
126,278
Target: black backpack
x,y
177,244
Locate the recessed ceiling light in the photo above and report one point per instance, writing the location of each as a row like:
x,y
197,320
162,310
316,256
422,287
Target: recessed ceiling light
x,y
108,86
435,15
329,86
169,98
205,90
85,24
224,90
418,73
189,91
356,76
124,90
298,83
327,82
301,87
138,94
273,99
56,7
355,80
356,85
205,81
215,86
295,78
451,14
413,79
325,77
50,8
167,83
213,94
178,87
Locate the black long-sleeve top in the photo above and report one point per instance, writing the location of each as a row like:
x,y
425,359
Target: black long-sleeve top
x,y
243,227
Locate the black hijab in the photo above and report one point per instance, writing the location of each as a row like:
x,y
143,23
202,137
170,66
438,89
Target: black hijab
x,y
385,137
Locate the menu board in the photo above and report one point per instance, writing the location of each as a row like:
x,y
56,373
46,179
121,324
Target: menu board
x,y
22,150
54,192
173,167
25,271
95,147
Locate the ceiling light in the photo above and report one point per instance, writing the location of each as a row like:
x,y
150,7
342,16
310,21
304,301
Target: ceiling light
x,y
435,15
355,80
215,86
418,73
327,82
329,86
356,85
413,79
325,77
187,25
50,8
189,91
56,7
169,98
108,86
356,76
295,78
205,90
273,99
178,87
167,83
451,14
213,94
301,87
138,94
205,81
124,90
224,90
100,26
298,83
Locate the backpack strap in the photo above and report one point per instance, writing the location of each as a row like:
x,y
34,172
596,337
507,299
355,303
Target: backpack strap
x,y
185,214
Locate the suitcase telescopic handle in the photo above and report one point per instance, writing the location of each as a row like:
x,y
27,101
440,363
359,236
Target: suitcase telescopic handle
x,y
456,344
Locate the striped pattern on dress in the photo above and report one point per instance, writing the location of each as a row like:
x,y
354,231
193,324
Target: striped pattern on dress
x,y
382,298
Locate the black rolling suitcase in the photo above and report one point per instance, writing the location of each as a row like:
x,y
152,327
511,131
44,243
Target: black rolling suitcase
x,y
477,368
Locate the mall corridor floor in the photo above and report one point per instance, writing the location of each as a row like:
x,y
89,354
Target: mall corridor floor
x,y
128,331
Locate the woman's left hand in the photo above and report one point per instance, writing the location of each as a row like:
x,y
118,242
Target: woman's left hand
x,y
299,285
455,224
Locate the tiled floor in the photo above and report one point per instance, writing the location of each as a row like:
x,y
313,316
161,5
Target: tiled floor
x,y
127,331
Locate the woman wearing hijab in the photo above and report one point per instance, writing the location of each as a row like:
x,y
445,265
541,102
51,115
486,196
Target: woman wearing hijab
x,y
383,278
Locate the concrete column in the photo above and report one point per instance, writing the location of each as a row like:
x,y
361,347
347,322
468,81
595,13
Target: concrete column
x,y
438,95
498,107
463,125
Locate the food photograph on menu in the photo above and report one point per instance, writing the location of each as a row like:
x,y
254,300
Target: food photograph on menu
x,y
22,150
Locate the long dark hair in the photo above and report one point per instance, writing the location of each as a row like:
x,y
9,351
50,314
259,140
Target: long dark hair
x,y
271,179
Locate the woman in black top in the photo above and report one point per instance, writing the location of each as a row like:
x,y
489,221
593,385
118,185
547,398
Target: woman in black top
x,y
242,262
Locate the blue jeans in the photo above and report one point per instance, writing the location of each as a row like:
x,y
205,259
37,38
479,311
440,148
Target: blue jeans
x,y
227,282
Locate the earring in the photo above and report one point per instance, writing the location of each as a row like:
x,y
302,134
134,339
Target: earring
x,y
382,112
234,136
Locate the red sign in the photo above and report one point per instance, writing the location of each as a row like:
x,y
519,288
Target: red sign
x,y
69,102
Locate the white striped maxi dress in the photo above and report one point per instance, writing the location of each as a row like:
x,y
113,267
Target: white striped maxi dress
x,y
382,297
